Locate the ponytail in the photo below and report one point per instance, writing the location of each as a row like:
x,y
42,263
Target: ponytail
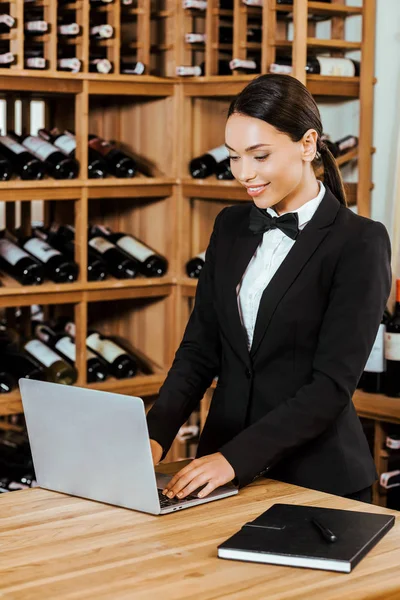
x,y
332,176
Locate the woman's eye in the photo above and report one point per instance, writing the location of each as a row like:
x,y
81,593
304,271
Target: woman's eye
x,y
233,157
261,157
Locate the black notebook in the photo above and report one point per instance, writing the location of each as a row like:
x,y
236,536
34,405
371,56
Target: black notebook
x,y
307,536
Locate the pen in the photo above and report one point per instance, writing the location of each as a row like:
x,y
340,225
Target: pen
x,y
326,533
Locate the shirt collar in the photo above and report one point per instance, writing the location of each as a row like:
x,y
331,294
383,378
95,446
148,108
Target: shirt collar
x,y
305,212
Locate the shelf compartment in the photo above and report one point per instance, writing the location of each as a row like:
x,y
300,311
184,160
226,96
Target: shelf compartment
x,y
46,189
129,85
377,406
48,82
143,187
343,45
329,10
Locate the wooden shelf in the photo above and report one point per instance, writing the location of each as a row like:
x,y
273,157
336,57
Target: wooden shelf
x,y
46,189
47,82
137,187
323,44
329,10
129,85
333,87
214,189
377,406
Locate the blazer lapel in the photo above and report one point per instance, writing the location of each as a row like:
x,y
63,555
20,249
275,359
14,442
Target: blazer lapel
x,y
306,244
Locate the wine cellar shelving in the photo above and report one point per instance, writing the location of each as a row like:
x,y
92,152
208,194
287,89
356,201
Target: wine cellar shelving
x,y
163,120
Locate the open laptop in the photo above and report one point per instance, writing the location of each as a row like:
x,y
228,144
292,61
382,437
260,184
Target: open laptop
x,y
95,445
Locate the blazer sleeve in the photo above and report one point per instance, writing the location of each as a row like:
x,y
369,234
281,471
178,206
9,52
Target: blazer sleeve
x,y
358,296
196,362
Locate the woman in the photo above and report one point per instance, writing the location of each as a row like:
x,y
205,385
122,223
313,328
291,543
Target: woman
x,y
287,308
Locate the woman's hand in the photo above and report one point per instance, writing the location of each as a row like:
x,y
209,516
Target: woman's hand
x,y
156,451
212,471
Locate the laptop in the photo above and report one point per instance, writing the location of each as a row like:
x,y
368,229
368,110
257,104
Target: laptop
x,y
95,445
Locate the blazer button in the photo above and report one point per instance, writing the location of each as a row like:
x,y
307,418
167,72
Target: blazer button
x,y
248,373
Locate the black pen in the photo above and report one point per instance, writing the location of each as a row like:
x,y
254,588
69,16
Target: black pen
x,y
326,533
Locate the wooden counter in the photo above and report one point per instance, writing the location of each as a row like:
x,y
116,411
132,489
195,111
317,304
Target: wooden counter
x,y
59,547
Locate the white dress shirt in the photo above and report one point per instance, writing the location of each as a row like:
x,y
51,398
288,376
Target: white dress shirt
x,y
267,259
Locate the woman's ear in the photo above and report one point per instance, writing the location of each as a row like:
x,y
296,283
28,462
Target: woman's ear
x,y
309,145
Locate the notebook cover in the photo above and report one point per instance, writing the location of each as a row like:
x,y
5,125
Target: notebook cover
x,y
286,530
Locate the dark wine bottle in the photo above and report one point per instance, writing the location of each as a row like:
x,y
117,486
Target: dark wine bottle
x,y
390,479
7,382
57,267
34,58
7,22
199,70
194,4
96,369
21,365
101,32
205,165
223,170
245,65
68,29
319,65
291,1
392,350
130,67
119,264
58,165
66,142
10,339
100,65
120,364
62,237
195,265
374,371
54,366
6,59
19,264
24,163
33,26
71,64
341,146
6,169
118,163
151,263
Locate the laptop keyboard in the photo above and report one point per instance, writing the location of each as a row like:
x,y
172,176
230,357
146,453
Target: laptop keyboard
x,y
165,502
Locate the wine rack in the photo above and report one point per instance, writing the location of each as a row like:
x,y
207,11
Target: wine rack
x,y
164,121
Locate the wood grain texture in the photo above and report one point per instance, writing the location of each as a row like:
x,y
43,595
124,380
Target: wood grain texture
x,y
56,546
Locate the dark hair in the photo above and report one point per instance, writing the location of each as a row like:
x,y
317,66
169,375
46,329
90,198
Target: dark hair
x,y
286,104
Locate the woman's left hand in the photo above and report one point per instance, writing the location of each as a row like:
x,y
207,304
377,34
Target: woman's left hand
x,y
212,471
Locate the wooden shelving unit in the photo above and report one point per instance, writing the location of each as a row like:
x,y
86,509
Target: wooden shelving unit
x,y
168,120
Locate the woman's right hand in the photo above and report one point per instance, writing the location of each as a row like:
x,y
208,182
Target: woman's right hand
x,y
156,451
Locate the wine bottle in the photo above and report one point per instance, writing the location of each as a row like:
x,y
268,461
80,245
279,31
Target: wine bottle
x,y
6,59
199,70
101,1
319,65
101,32
119,264
55,368
392,349
100,65
56,266
34,59
390,479
58,165
151,263
9,339
194,4
19,264
254,2
205,165
341,146
393,441
7,382
244,66
225,36
129,67
25,164
66,142
291,1
223,170
96,369
62,237
120,364
7,22
69,63
21,365
118,163
374,371
68,29
6,169
195,265
35,27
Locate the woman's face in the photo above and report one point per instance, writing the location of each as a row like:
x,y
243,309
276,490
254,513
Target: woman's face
x,y
267,162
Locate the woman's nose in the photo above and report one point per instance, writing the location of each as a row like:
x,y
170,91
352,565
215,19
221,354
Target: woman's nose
x,y
247,173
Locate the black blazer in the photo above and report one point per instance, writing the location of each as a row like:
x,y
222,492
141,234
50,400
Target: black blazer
x,y
284,408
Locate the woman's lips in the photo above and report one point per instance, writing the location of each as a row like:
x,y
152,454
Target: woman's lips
x,y
256,190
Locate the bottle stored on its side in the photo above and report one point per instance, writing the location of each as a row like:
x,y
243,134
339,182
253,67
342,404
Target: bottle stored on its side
x,y
245,65
195,265
392,350
130,67
7,382
71,64
205,165
96,369
62,237
57,267
6,169
194,4
25,164
35,26
151,263
101,32
55,367
119,264
19,264
58,165
319,65
199,70
120,363
100,65
374,371
7,22
34,58
21,365
223,170
390,479
66,142
68,29
6,59
340,147
118,162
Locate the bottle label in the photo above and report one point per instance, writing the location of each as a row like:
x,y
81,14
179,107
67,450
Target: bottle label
x,y
10,252
41,249
188,71
101,146
202,255
100,244
195,38
38,147
102,65
134,248
104,31
41,26
283,69
393,442
36,62
69,29
197,4
392,346
238,63
348,143
138,69
6,58
67,347
220,153
12,144
106,348
376,360
66,143
8,20
253,2
70,64
41,352
340,67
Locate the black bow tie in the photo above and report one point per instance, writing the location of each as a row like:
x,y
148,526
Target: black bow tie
x,y
261,221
